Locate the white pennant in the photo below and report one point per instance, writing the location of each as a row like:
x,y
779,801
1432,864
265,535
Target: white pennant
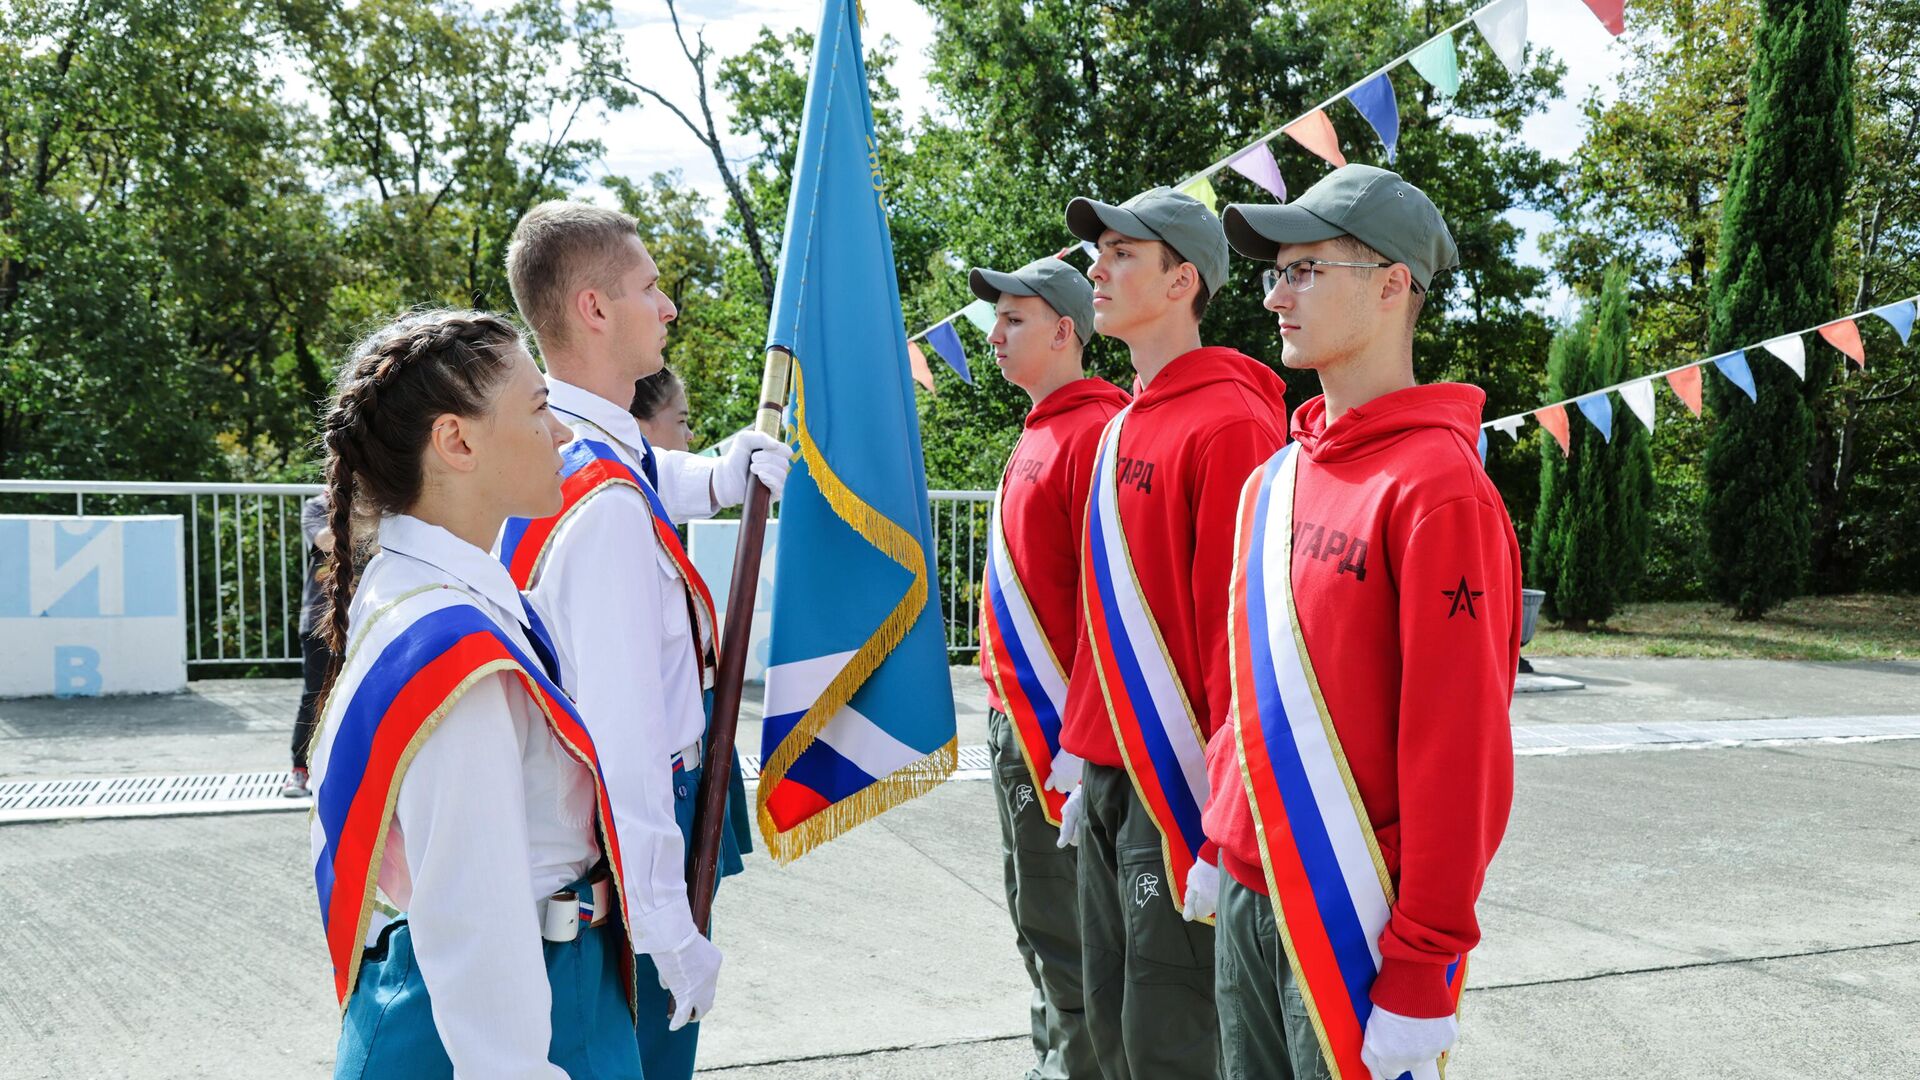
x,y
1504,25
1511,425
1639,398
1792,349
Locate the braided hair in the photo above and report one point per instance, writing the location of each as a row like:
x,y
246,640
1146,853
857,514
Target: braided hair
x,y
651,394
386,397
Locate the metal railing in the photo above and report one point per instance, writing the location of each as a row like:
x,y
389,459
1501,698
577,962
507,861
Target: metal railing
x,y
246,559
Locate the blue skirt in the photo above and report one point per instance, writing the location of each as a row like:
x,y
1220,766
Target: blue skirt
x,y
389,1030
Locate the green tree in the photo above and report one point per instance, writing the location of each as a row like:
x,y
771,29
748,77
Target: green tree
x,y
1589,543
1783,204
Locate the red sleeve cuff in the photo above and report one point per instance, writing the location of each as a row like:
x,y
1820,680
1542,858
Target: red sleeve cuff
x,y
1412,989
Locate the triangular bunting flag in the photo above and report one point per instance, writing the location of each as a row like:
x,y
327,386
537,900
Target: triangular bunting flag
x,y
1374,98
946,341
1483,446
1686,386
1202,188
1899,315
1734,366
980,314
1511,425
1598,409
1612,15
1504,25
1845,336
1439,64
1791,349
1315,132
917,366
1554,419
1259,166
1639,399
1092,249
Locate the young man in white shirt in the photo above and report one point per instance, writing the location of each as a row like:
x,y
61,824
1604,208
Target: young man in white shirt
x,y
624,606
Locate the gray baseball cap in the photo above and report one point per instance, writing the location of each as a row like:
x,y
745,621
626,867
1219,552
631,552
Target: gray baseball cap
x,y
1174,218
1065,289
1374,206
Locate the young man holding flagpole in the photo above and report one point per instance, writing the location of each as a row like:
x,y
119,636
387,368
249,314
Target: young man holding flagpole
x,y
1030,626
634,622
1154,575
1364,776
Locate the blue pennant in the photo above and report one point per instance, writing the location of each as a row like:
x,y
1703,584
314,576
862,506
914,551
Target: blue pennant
x,y
1598,409
1483,446
1734,367
1374,98
946,341
1899,315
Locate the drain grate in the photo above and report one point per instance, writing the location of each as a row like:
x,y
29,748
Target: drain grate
x,y
232,793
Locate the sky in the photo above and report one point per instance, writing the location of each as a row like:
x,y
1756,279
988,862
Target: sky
x,y
641,141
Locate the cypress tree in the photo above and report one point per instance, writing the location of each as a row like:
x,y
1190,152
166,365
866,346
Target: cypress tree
x,y
1783,202
1590,533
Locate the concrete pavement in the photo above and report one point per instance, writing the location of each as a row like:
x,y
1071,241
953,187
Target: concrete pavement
x,y
1743,912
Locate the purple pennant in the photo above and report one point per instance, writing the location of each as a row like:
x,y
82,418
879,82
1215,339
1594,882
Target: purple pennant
x,y
946,341
1374,98
1259,166
1598,409
1734,367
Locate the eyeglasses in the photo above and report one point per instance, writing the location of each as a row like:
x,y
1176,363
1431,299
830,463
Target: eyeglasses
x,y
1299,273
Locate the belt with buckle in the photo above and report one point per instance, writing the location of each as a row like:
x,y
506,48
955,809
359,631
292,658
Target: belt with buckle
x,y
689,757
565,912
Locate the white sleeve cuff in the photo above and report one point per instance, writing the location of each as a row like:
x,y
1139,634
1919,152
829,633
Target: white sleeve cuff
x,y
664,928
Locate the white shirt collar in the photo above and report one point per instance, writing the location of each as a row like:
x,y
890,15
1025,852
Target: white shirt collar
x,y
406,535
613,419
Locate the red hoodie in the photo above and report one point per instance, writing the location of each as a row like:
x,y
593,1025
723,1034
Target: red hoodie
x,y
1406,574
1207,420
1045,506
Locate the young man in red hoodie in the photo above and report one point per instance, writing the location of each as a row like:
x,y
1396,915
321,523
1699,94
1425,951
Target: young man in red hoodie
x,y
1030,625
1151,680
1364,778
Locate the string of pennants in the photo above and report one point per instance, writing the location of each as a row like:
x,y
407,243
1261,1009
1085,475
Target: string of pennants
x,y
1685,381
1502,24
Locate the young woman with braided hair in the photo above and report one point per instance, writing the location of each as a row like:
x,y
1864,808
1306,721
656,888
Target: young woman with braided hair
x,y
467,870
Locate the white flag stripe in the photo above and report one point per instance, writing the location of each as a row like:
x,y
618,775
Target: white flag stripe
x,y
794,687
862,742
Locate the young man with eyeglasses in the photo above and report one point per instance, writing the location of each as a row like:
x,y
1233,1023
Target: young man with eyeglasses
x,y
1362,781
1153,583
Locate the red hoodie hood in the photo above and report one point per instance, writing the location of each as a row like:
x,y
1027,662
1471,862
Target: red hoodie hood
x,y
1075,394
1454,407
1206,366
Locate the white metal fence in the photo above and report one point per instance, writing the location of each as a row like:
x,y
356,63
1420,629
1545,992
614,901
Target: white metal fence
x,y
246,559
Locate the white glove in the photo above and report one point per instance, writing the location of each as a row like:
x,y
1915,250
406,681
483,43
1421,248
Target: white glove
x,y
691,972
1065,774
1070,815
752,452
1203,892
1397,1044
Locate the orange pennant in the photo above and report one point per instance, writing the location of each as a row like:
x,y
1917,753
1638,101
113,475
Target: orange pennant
x,y
1315,132
1686,386
1554,419
917,364
1845,336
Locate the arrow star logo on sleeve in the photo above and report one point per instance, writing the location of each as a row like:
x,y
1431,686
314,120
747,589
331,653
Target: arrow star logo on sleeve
x,y
1462,598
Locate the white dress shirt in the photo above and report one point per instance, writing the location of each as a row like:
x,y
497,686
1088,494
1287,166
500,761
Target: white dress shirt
x,y
617,606
493,814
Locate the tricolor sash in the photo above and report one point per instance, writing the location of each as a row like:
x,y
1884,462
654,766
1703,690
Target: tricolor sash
x,y
1026,674
404,673
1159,738
587,467
1323,867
